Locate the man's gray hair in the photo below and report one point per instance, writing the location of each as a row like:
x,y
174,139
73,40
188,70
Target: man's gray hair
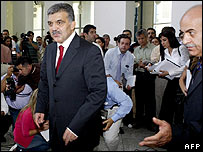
x,y
141,31
62,7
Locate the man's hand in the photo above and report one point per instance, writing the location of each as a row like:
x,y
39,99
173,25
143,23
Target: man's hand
x,y
45,125
163,73
148,66
161,138
38,119
128,87
182,81
141,64
2,113
68,136
3,81
119,84
10,71
108,123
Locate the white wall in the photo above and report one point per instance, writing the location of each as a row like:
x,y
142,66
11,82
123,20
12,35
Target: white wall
x,y
178,9
109,17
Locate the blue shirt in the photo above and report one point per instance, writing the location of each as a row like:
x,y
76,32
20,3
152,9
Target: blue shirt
x,y
111,60
116,96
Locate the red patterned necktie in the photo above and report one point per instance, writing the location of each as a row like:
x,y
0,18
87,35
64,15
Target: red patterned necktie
x,y
60,57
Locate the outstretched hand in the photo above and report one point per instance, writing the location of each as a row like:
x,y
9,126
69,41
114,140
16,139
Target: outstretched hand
x,y
161,138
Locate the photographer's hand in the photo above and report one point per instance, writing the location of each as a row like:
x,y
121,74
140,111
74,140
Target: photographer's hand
x,y
3,82
10,71
19,88
33,45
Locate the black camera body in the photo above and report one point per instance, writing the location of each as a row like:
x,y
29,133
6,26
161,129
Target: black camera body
x,y
24,36
11,89
48,38
15,69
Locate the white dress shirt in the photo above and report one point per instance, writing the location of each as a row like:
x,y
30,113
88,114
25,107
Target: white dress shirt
x,y
111,59
176,58
65,44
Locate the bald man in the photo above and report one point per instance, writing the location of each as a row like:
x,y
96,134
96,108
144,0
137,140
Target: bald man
x,y
189,135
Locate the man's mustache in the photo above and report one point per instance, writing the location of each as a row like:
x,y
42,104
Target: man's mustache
x,y
56,32
190,45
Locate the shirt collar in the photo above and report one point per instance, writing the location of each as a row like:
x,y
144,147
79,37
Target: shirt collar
x,y
67,42
119,52
146,46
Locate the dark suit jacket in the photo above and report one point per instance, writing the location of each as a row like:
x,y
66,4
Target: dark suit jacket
x,y
191,132
76,93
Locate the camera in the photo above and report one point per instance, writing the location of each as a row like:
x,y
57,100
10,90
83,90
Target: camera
x,y
115,38
15,69
48,38
11,89
24,36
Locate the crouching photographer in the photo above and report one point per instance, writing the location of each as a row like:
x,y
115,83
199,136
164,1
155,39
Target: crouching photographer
x,y
16,99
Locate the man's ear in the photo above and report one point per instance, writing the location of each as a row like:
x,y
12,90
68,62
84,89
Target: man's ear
x,y
73,25
30,66
85,34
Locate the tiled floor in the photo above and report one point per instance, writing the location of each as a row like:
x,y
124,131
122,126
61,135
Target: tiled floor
x,y
128,141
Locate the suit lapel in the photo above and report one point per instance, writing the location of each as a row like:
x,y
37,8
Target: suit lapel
x,y
197,80
70,53
52,59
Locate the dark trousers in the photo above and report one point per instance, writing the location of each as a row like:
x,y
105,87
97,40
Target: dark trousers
x,y
145,98
14,113
172,109
6,122
80,144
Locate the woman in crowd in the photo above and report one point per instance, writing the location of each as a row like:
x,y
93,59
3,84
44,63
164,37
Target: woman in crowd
x,y
15,38
26,133
101,42
156,41
7,41
170,107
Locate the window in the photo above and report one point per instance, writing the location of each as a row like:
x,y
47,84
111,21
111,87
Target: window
x,y
84,14
162,14
37,20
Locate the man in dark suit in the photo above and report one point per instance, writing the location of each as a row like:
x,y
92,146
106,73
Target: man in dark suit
x,y
189,135
71,94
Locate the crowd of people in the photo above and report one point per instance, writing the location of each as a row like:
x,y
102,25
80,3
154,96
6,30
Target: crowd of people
x,y
81,87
